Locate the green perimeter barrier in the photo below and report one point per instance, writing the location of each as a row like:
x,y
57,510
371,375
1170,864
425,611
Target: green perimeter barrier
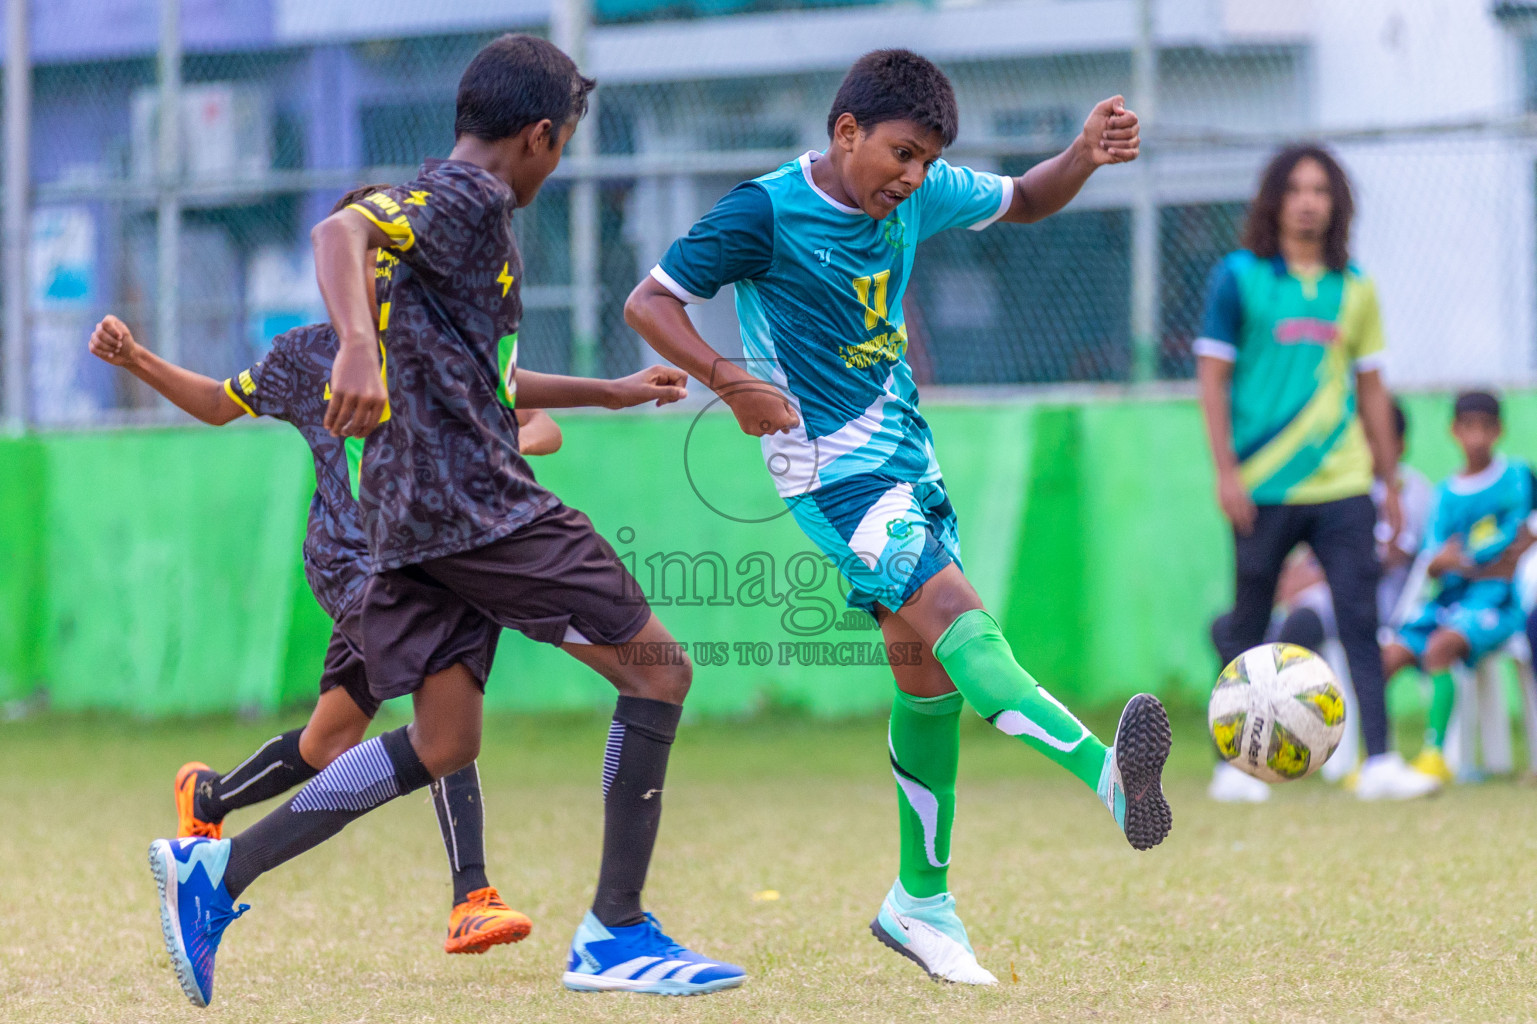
x,y
158,572
21,566
167,558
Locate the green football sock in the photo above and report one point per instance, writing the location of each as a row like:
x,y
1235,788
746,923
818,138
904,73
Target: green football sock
x,y
980,662
925,743
1443,695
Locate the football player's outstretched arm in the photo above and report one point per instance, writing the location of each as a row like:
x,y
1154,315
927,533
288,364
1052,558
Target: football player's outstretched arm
x,y
341,244
1111,135
192,393
660,384
657,315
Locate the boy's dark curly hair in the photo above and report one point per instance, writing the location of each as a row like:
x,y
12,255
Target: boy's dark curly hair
x,y
897,85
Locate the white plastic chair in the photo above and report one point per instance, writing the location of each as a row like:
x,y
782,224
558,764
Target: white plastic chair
x,y
1350,751
1478,737
1345,756
1479,734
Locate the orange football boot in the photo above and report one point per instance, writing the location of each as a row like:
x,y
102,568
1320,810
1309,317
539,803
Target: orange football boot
x,y
483,921
187,821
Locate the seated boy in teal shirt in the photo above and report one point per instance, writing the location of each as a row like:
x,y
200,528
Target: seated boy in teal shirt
x,y
1478,514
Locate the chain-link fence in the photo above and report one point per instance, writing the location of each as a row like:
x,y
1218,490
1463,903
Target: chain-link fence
x,y
274,121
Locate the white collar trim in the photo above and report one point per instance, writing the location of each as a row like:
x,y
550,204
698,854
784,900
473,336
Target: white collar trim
x,y
806,160
1464,484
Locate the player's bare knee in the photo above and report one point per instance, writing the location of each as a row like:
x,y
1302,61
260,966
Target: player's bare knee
x,y
444,761
1445,650
458,751
667,683
443,752
1395,658
935,607
466,751
324,750
319,748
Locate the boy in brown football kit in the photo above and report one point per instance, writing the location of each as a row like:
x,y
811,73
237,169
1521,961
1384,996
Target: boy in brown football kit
x,y
458,530
289,384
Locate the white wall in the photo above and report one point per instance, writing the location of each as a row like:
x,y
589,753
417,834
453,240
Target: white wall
x,y
1445,221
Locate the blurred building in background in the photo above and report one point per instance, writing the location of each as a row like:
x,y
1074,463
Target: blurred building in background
x,y
279,105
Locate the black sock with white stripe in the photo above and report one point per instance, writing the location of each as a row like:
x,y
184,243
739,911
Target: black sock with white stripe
x,y
275,768
634,768
462,821
371,773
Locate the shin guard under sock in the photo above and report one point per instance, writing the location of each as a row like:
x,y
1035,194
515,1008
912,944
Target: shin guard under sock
x,y
461,818
924,740
982,666
634,769
1443,697
275,768
370,774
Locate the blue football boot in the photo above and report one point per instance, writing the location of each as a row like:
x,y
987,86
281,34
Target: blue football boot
x,y
640,958
195,908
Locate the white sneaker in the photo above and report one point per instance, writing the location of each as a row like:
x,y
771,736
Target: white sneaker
x,y
928,932
1229,785
1387,777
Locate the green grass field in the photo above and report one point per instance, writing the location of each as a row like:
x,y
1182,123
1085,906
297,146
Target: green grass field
x,y
1312,908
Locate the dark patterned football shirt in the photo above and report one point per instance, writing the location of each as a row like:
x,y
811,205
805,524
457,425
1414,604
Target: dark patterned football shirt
x,y
443,473
292,384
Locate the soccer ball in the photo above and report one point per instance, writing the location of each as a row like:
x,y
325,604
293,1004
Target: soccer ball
x,y
1277,712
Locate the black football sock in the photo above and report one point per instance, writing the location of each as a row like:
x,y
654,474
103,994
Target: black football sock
x,y
462,821
275,768
371,773
634,768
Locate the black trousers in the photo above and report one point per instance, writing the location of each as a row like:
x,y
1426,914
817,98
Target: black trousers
x,y
1340,534
1531,632
1302,627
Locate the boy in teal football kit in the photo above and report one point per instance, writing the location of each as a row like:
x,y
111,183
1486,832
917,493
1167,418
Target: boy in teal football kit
x,y
820,252
1478,514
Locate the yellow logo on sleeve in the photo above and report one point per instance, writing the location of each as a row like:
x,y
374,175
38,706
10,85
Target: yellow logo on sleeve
x,y
393,221
1483,533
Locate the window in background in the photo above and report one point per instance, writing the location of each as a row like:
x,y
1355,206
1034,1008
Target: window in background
x,y
1191,239
1045,304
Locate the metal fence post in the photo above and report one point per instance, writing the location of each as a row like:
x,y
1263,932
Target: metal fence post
x,y
1144,211
18,210
569,20
168,172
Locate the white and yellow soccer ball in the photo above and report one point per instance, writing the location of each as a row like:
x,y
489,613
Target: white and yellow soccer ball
x,y
1277,712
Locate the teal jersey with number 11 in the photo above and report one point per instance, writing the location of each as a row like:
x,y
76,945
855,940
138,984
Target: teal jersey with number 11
x,y
819,289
